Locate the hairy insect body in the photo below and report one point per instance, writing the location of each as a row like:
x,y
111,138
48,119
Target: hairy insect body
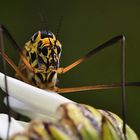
x,y
43,52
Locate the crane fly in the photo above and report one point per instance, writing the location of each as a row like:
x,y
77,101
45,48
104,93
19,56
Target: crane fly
x,y
39,63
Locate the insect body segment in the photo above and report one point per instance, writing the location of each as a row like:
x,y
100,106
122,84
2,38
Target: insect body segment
x,y
43,52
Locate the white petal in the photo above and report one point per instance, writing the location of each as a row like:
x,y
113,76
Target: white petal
x,y
44,102
23,124
27,110
15,127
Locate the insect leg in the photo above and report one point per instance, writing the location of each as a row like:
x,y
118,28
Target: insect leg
x,y
120,38
16,46
97,87
84,58
5,78
9,61
108,43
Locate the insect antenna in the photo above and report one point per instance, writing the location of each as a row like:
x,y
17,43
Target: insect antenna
x,y
43,20
58,28
5,79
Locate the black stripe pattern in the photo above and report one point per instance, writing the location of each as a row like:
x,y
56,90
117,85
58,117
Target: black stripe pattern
x,y
43,53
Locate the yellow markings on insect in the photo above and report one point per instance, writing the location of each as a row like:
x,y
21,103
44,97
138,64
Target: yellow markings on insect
x,y
43,52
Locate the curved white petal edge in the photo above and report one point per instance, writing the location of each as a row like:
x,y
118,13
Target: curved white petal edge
x,y
27,110
15,126
42,101
29,101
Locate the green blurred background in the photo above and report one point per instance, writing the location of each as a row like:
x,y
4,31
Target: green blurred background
x,y
85,25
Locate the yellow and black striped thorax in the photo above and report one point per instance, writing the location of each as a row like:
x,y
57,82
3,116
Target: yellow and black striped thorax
x,y
43,52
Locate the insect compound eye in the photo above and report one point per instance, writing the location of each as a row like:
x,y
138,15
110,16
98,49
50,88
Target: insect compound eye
x,y
46,34
50,34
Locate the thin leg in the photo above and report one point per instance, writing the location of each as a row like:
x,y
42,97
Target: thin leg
x,y
123,94
96,87
13,65
5,79
15,45
9,61
110,42
91,53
